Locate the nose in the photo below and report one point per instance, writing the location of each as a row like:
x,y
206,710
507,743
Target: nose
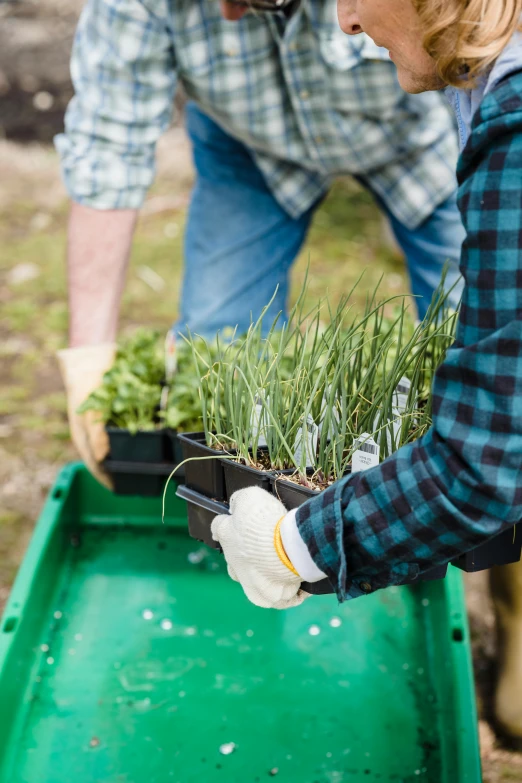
x,y
348,17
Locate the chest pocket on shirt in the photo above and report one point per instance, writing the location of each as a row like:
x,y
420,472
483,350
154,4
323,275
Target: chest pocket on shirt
x,y
360,78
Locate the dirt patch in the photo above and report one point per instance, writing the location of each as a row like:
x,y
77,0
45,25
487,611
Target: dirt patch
x,y
35,86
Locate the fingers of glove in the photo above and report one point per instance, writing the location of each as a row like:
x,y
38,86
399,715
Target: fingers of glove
x,y
232,573
247,501
219,527
96,435
257,596
269,594
81,441
100,475
295,600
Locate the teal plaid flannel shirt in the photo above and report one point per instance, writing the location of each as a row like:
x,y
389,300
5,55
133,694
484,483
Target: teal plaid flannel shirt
x,y
462,483
309,102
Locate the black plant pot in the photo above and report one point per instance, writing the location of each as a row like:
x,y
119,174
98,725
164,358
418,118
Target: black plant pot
x,y
200,512
146,479
146,446
500,550
290,494
175,452
239,476
205,476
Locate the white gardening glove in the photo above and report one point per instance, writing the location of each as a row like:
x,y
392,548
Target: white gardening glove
x,y
82,371
251,543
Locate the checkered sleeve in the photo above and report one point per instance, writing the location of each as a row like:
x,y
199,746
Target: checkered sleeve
x,y
462,483
124,74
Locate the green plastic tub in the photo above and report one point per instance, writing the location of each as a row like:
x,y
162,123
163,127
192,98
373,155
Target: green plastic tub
x,y
127,654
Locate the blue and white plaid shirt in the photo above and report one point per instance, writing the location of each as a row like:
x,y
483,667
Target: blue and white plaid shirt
x,y
309,102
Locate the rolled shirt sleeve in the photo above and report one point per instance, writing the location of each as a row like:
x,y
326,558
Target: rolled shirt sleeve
x,y
124,73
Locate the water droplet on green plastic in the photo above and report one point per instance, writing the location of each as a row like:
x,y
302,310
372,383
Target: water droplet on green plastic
x,y
196,557
227,748
314,630
335,622
147,614
166,625
44,647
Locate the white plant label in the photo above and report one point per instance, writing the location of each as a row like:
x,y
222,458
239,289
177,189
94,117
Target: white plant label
x,y
367,454
400,403
259,422
164,399
399,406
171,359
307,437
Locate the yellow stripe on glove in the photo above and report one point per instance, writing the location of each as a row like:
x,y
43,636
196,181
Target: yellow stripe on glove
x,y
279,548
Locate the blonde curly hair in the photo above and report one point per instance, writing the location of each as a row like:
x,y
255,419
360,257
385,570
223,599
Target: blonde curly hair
x,y
465,37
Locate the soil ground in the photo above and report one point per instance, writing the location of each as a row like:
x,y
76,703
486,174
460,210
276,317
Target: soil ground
x,y
347,237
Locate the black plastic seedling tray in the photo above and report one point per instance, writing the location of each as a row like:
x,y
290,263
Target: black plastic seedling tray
x,y
205,476
500,550
140,464
153,446
200,513
239,476
140,478
290,494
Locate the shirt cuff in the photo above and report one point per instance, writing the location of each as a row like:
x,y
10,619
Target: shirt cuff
x,y
297,550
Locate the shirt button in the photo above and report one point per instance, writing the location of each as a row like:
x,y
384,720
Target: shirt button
x,y
304,95
231,52
366,587
292,47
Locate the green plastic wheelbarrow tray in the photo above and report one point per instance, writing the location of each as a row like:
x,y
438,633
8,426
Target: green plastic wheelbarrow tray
x,y
127,654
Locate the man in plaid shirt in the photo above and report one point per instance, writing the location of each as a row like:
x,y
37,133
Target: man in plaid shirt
x,y
281,103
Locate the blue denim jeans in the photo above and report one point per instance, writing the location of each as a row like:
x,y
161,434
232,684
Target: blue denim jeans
x,y
240,244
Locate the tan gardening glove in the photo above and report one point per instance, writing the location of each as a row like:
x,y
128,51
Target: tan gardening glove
x,y
82,371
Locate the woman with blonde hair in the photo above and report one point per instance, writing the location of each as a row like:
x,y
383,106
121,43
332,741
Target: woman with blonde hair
x,y
462,482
